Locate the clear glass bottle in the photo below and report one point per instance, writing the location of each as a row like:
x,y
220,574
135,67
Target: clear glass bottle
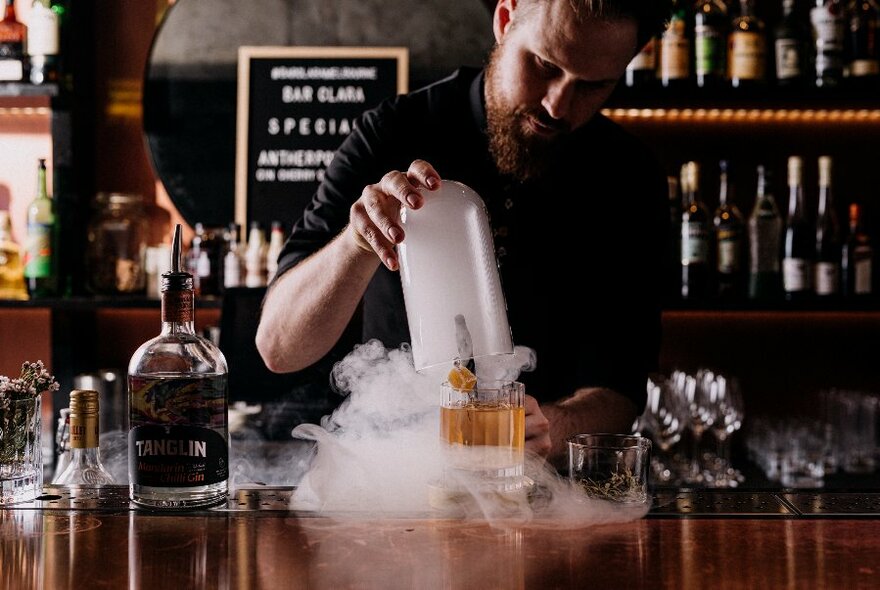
x,y
747,47
696,229
62,443
13,36
43,42
11,269
39,258
178,401
255,257
798,251
233,264
765,240
729,238
827,23
117,245
84,465
826,271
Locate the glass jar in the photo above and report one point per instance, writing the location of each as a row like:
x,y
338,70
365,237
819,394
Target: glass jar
x,y
117,244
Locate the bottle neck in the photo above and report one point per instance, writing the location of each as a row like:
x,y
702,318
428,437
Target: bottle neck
x,y
722,190
42,191
762,186
9,13
88,456
178,312
795,199
84,431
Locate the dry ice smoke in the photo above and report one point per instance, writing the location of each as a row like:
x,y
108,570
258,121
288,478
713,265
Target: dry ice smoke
x,y
380,453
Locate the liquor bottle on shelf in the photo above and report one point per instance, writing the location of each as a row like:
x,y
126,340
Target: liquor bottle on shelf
x,y
204,260
862,48
11,269
857,261
641,72
84,465
178,442
729,240
696,279
43,43
232,261
13,38
255,257
828,35
765,237
790,44
826,271
710,42
747,48
40,257
675,54
672,272
62,443
799,246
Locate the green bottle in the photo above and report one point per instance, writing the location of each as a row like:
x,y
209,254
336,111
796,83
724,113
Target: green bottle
x,y
40,255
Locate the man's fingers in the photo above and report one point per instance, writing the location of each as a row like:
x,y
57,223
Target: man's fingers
x,y
376,206
422,173
370,234
396,184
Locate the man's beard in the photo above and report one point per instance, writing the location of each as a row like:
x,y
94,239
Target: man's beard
x,y
516,152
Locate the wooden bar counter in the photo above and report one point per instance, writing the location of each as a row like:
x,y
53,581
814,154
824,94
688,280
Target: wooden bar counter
x,y
258,548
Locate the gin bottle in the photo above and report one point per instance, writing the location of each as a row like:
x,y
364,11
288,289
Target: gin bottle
x,y
178,443
84,465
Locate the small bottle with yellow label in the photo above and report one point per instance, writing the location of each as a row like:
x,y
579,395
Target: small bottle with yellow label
x,y
85,467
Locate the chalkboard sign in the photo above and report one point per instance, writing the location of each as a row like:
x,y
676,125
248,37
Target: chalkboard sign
x,y
295,107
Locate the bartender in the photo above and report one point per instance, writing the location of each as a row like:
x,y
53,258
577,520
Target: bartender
x,y
577,208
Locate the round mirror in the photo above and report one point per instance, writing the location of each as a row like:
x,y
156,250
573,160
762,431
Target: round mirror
x,y
190,86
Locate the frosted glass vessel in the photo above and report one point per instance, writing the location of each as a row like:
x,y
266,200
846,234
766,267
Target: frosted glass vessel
x,y
451,285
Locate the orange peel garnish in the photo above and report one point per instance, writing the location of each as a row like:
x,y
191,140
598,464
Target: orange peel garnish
x,y
461,378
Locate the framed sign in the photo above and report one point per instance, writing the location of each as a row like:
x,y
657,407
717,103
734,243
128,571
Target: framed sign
x,y
295,107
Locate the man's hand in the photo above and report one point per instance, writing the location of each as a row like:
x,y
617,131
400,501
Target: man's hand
x,y
537,428
375,217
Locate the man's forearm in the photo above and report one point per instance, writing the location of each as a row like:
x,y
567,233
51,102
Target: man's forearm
x,y
588,410
307,309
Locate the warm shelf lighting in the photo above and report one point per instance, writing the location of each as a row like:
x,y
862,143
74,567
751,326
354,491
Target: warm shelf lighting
x,y
715,115
25,111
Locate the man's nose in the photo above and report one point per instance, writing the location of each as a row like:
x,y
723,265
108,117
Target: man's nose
x,y
557,99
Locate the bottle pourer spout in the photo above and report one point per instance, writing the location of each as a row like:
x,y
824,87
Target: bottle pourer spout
x,y
175,250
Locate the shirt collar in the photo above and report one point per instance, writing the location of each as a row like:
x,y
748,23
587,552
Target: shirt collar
x,y
478,100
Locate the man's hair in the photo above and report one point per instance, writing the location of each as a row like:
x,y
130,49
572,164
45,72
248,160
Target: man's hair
x,y
651,15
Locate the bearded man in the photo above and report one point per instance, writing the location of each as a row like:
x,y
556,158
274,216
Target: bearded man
x,y
577,207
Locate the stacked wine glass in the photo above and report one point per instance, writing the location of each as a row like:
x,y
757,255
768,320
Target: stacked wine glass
x,y
800,451
681,410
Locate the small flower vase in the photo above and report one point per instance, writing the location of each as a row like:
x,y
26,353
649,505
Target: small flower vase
x,y
21,457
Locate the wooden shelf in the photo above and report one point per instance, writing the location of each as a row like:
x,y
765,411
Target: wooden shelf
x,y
842,98
24,89
95,303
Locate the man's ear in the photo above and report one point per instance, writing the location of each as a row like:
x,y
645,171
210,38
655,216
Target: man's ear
x,y
503,17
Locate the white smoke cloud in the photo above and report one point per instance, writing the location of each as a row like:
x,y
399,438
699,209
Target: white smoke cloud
x,y
380,454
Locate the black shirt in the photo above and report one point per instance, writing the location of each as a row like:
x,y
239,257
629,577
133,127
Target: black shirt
x,y
580,250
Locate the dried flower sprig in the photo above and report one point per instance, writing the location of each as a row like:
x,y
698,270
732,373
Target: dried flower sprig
x,y
620,487
19,412
33,380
